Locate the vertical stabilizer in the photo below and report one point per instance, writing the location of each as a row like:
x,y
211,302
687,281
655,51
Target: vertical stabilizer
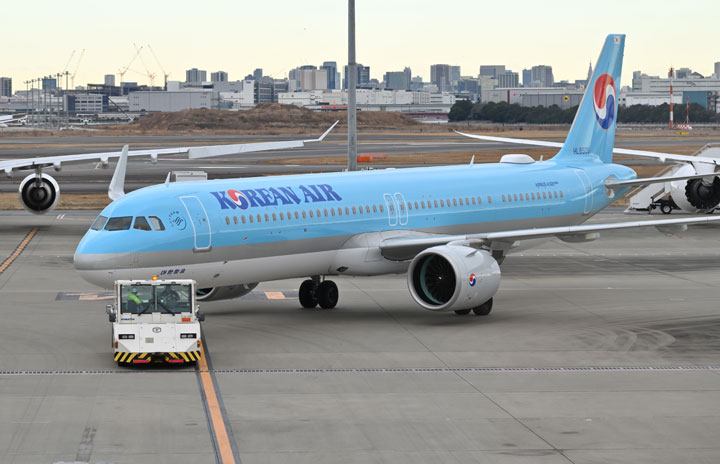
x,y
592,134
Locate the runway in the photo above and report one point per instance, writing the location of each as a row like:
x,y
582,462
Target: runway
x,y
92,178
600,352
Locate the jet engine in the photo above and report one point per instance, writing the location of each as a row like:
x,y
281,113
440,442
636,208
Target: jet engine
x,y
453,277
223,293
696,195
39,194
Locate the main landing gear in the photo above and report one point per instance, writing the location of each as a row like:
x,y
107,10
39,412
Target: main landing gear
x,y
313,292
482,310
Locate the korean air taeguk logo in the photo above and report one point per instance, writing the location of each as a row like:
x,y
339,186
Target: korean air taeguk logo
x,y
604,98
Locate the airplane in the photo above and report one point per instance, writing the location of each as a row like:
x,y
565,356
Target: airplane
x,y
449,228
6,119
40,193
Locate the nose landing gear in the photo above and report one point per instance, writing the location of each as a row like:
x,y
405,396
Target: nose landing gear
x,y
313,292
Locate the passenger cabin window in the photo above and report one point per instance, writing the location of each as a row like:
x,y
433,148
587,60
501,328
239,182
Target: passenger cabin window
x,y
235,221
243,219
156,223
141,223
119,223
99,223
227,221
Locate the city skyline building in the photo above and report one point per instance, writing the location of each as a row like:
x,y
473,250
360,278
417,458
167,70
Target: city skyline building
x,y
195,75
331,68
109,79
6,87
541,76
492,70
219,76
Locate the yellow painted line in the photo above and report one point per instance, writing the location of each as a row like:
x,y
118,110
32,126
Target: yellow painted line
x,y
20,248
275,295
223,441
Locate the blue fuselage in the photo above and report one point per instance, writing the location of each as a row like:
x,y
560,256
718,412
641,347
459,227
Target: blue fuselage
x,y
269,227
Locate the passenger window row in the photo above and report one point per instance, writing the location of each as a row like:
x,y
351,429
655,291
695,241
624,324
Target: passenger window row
x,y
305,214
533,196
355,210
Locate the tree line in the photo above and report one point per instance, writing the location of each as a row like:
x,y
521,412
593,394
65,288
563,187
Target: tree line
x,y
514,114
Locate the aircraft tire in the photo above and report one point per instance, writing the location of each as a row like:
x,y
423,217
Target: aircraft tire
x,y
462,312
484,309
327,294
308,294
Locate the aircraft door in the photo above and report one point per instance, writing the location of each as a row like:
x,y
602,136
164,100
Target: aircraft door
x,y
402,209
391,206
200,222
587,186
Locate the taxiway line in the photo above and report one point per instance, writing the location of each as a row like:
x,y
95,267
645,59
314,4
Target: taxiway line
x,y
380,370
225,452
18,250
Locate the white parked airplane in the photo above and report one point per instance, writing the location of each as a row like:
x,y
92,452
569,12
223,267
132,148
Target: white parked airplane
x,y
39,192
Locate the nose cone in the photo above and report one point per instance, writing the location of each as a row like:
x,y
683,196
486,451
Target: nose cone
x,y
96,268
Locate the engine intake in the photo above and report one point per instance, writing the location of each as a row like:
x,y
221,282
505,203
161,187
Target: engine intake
x,y
39,194
223,293
695,195
453,277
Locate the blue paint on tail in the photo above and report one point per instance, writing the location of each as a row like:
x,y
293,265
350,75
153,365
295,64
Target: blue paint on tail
x,y
592,135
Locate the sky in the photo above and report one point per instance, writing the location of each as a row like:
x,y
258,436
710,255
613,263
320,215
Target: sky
x,y
238,36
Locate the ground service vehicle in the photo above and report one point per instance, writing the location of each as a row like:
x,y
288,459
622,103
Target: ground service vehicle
x,y
155,321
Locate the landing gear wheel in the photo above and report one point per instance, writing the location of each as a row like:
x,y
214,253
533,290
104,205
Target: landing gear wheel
x,y
308,294
666,209
327,294
484,309
462,312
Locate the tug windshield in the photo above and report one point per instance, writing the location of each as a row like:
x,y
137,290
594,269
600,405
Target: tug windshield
x,y
144,299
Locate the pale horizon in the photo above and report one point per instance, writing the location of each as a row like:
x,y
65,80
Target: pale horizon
x,y
237,38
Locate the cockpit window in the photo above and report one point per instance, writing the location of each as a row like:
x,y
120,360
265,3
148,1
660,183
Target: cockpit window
x,y
99,223
141,223
156,223
119,223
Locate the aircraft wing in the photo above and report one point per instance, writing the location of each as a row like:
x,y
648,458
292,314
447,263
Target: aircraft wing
x,y
662,157
9,166
404,248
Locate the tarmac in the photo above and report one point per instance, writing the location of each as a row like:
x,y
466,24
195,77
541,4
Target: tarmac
x,y
601,352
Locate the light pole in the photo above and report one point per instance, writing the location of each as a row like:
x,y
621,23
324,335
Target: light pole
x,y
352,84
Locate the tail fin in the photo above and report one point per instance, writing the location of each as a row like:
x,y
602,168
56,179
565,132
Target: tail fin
x,y
592,134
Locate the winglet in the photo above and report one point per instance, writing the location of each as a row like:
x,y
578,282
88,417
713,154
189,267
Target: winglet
x,y
320,139
116,189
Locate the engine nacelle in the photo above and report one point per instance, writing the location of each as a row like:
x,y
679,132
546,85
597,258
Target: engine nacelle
x,y
695,195
223,293
453,277
39,195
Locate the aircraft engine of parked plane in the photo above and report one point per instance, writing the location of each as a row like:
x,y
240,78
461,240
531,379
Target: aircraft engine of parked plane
x,y
39,194
453,278
224,293
695,195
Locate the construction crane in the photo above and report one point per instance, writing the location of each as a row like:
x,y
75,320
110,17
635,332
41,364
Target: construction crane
x,y
147,71
65,71
122,71
77,65
165,74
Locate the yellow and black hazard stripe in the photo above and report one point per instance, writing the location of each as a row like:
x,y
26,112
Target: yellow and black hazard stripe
x,y
187,356
125,357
